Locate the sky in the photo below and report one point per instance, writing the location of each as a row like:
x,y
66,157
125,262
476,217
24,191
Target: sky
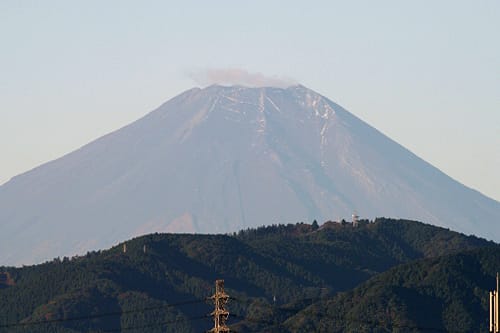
x,y
425,73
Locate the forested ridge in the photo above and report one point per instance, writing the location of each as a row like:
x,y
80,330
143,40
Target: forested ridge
x,y
274,274
444,294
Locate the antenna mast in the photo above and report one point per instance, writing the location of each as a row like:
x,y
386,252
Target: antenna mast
x,y
494,318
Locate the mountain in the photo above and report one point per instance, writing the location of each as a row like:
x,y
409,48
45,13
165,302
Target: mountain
x,y
281,268
221,159
445,294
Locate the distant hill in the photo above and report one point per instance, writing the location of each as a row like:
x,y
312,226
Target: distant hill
x,y
445,294
279,269
221,159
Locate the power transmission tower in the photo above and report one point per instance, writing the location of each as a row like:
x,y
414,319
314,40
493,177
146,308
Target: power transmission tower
x,y
220,313
494,318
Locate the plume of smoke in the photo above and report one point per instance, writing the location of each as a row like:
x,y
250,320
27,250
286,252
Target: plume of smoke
x,y
237,76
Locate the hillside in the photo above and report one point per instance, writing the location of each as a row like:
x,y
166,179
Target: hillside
x,y
222,159
285,267
445,294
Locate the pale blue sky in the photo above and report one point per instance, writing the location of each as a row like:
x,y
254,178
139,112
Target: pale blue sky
x,y
426,73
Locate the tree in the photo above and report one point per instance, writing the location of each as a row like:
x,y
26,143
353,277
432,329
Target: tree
x,y
315,225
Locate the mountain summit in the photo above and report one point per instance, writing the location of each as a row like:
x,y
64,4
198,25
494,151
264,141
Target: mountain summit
x,y
221,159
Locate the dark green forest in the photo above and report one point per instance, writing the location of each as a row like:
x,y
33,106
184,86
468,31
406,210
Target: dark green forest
x,y
444,294
383,276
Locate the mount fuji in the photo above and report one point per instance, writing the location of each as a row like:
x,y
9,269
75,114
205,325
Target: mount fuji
x,y
221,159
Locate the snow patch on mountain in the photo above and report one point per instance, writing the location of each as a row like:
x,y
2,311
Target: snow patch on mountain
x,y
221,159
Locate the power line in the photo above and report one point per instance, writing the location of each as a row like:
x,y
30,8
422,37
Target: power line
x,y
101,315
296,310
157,324
372,323
368,322
255,320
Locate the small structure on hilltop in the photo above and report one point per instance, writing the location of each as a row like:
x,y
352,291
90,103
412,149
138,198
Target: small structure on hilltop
x,y
355,220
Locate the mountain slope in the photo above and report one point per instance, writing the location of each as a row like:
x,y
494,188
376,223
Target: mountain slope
x,y
445,294
294,263
224,158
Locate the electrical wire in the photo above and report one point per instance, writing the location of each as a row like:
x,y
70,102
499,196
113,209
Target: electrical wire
x,y
101,315
157,324
371,323
238,316
367,322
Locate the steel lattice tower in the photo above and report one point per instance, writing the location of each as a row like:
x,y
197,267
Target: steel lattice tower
x,y
220,313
